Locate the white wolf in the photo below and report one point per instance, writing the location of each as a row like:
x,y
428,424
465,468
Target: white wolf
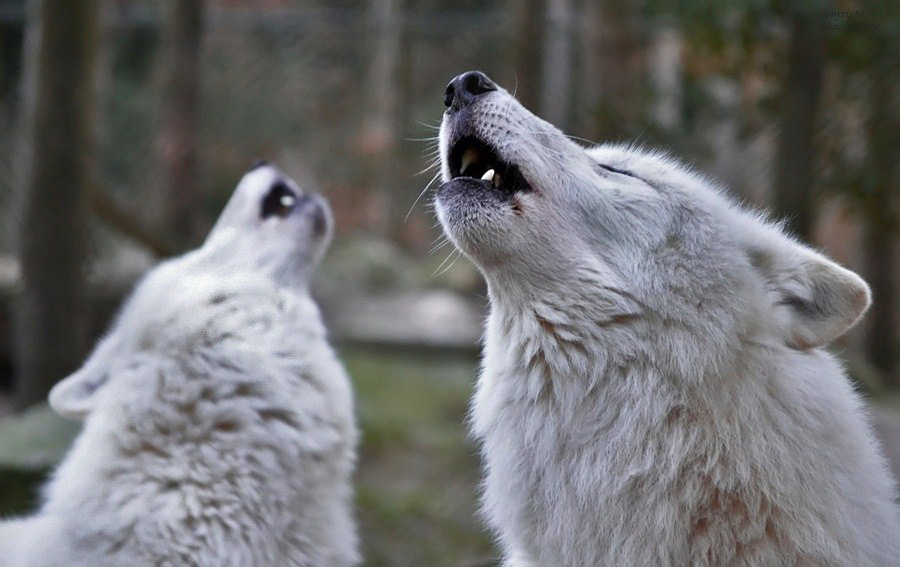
x,y
653,391
219,425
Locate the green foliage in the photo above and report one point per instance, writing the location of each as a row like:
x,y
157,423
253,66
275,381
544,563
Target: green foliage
x,y
30,445
19,489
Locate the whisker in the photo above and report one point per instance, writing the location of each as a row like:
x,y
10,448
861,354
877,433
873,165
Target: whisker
x,y
580,139
435,273
515,90
442,241
458,254
429,126
433,164
409,212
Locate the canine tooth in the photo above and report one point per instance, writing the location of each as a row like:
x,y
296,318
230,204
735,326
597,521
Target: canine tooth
x,y
488,175
497,180
469,157
287,201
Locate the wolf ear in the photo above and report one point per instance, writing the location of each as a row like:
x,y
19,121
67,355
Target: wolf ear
x,y
74,396
815,300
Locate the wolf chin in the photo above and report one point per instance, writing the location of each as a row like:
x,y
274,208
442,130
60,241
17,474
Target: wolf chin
x,y
218,423
653,390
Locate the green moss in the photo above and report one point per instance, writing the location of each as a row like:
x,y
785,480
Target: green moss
x,y
19,489
37,438
31,444
418,474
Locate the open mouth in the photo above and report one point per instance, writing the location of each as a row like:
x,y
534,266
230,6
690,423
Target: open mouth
x,y
472,158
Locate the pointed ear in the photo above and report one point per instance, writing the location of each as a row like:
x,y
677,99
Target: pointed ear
x,y
74,396
815,300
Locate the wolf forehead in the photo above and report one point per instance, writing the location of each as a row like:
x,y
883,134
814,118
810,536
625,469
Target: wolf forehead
x,y
264,191
264,195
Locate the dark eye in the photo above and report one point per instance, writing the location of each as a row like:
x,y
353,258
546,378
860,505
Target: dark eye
x,y
278,201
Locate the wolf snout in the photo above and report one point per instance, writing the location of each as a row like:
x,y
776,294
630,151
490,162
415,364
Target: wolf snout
x,y
320,213
464,89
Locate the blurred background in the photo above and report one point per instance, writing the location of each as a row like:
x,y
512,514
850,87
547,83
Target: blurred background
x,y
126,124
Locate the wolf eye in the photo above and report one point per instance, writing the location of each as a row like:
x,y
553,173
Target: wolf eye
x,y
278,201
617,170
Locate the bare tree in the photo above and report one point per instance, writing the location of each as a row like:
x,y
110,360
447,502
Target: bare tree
x,y
615,48
882,211
180,118
666,74
556,85
525,45
55,171
794,181
101,203
587,81
379,136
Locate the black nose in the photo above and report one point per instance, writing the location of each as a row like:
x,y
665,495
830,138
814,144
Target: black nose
x,y
464,89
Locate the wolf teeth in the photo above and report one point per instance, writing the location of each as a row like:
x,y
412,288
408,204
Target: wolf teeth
x,y
287,201
497,179
488,175
468,158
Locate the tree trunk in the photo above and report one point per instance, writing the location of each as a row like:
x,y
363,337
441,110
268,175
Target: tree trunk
x,y
882,207
881,339
56,168
556,83
525,42
178,143
666,75
12,34
620,54
411,230
587,78
794,182
379,137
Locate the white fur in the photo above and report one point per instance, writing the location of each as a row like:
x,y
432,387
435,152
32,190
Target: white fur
x,y
219,428
652,390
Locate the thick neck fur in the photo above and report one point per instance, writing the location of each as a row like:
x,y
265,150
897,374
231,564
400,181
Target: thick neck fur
x,y
232,446
601,448
585,326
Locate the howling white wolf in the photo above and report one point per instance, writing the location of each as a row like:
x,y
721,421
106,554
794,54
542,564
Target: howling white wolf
x,y
219,425
653,388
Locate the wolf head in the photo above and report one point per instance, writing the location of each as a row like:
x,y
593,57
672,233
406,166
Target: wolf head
x,y
268,240
544,217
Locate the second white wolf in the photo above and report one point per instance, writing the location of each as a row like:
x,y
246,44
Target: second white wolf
x,y
653,391
219,424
